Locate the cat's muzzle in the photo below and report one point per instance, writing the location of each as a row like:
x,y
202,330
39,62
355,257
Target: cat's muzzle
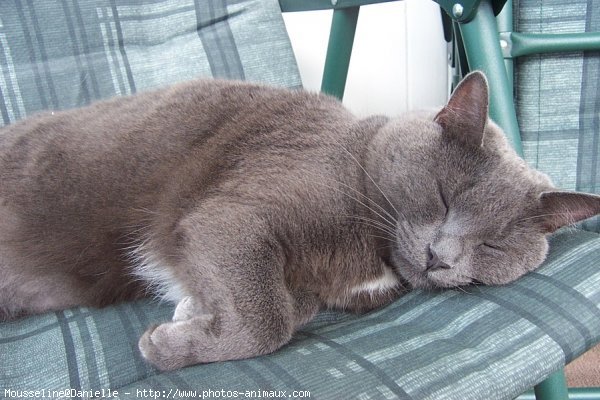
x,y
433,261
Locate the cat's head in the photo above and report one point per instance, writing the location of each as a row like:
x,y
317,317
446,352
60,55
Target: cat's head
x,y
462,205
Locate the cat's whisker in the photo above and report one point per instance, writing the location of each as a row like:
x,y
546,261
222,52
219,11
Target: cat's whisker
x,y
145,210
378,228
391,240
374,222
384,247
355,199
391,219
460,289
368,176
377,225
542,216
387,222
466,282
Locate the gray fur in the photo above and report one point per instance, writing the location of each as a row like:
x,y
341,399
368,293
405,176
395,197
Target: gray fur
x,y
254,207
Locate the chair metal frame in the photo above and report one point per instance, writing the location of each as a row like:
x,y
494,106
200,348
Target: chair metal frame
x,y
483,39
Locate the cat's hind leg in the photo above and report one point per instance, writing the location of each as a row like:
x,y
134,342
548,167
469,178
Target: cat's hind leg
x,y
208,337
198,334
237,304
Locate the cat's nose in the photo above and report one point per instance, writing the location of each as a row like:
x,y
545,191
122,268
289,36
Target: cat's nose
x,y
433,261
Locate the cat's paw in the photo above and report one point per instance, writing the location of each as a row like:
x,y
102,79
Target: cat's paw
x,y
160,346
187,308
173,345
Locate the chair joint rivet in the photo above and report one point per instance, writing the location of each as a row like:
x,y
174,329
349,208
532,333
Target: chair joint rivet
x,y
457,10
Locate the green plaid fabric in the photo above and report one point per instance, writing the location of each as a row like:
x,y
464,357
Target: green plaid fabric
x,y
57,54
485,343
558,97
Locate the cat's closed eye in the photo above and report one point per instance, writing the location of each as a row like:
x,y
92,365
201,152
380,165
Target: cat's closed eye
x,y
490,247
446,208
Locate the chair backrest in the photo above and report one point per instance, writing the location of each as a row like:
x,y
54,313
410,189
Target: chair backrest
x,y
59,54
558,97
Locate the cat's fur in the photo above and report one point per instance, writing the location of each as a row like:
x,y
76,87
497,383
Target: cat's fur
x,y
254,207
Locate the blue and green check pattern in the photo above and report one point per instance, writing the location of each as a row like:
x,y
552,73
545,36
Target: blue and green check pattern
x,y
558,97
481,343
57,54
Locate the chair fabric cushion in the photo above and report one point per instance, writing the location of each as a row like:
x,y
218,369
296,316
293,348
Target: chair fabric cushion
x,y
558,97
63,54
481,343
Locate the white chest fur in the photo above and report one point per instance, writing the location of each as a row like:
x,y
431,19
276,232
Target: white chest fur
x,y
386,281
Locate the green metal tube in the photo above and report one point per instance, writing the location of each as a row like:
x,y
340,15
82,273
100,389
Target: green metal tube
x,y
523,44
554,387
482,45
505,24
574,394
312,5
463,63
339,50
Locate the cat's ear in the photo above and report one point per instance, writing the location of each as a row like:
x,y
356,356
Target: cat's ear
x,y
558,209
465,116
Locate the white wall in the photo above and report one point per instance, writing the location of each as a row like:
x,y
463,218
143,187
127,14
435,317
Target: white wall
x,y
399,61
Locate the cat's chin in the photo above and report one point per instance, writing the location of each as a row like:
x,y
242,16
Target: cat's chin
x,y
448,283
414,279
431,281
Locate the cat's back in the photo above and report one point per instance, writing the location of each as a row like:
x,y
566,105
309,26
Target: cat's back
x,y
136,135
166,119
77,184
97,163
183,112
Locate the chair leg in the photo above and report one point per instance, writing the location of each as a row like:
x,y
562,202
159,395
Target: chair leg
x,y
482,45
553,387
339,50
505,24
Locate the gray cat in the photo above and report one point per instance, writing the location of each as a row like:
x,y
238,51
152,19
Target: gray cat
x,y
253,208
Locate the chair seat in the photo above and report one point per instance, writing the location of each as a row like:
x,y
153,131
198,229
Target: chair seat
x,y
480,342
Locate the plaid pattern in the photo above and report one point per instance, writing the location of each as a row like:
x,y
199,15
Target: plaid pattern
x,y
57,54
488,343
558,97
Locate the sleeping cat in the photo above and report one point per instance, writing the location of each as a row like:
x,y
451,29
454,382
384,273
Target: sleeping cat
x,y
253,208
